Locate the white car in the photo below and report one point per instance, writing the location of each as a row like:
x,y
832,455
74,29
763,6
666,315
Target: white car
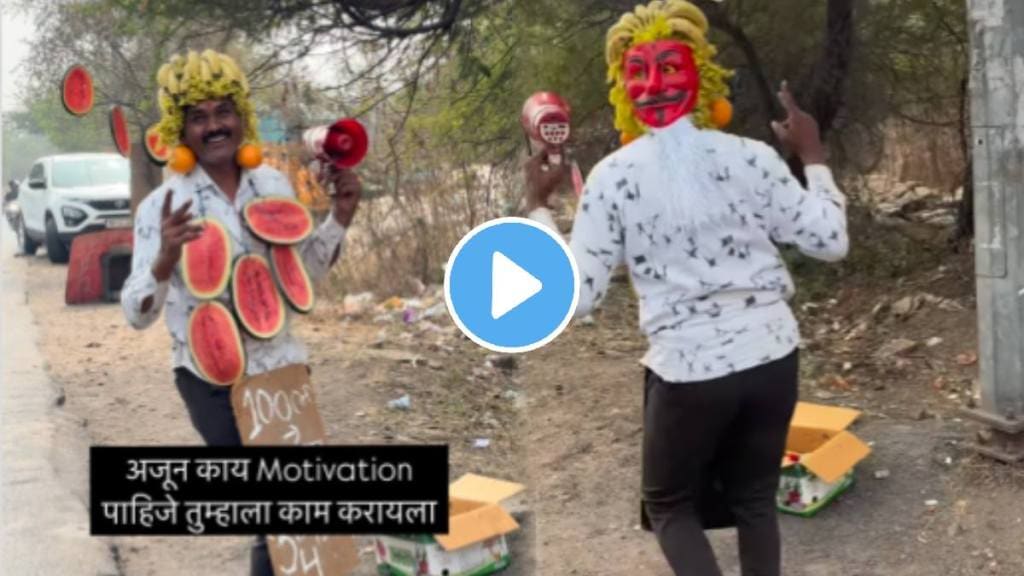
x,y
71,194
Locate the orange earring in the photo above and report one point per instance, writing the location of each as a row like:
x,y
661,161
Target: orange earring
x,y
721,113
183,160
249,156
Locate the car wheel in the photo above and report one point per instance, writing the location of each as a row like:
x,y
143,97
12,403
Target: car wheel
x,y
55,248
28,246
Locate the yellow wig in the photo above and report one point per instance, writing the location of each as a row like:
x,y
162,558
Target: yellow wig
x,y
188,80
663,20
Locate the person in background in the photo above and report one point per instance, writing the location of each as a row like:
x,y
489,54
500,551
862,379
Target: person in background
x,y
696,215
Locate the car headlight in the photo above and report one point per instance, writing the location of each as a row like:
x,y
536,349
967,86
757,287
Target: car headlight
x,y
72,216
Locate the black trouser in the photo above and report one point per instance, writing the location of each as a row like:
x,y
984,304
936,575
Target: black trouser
x,y
729,430
209,407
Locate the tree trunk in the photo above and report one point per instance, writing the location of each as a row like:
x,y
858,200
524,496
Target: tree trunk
x,y
829,79
833,68
965,211
146,176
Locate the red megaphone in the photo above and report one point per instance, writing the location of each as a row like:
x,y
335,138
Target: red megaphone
x,y
545,118
343,144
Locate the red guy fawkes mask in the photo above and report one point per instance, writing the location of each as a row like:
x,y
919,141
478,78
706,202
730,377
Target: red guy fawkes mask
x,y
661,80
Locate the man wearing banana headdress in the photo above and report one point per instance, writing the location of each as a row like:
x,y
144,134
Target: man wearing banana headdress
x,y
695,214
206,112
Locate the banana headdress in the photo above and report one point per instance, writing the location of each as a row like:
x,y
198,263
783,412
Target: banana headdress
x,y
665,20
188,80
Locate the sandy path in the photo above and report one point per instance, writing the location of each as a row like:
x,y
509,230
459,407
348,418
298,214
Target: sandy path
x,y
583,452
119,383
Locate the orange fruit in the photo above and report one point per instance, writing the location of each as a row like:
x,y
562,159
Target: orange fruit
x,y
183,160
249,156
721,113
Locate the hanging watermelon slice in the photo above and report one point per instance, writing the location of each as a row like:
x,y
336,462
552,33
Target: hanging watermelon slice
x,y
119,131
158,152
292,277
76,91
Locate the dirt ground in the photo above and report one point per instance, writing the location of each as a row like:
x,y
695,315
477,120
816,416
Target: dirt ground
x,y
118,383
585,430
566,421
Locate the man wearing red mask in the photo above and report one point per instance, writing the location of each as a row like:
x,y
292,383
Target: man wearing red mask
x,y
695,214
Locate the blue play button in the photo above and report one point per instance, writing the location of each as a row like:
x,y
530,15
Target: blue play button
x,y
511,285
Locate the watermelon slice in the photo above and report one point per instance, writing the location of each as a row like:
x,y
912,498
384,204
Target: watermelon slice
x,y
216,344
77,91
206,261
119,131
258,305
292,277
158,152
278,219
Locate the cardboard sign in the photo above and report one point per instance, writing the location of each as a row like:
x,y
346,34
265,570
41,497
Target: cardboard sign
x,y
313,555
279,408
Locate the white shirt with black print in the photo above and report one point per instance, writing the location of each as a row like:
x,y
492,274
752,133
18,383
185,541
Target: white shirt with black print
x,y
696,215
209,201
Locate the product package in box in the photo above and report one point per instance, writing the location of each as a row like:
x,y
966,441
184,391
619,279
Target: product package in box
x,y
820,458
475,544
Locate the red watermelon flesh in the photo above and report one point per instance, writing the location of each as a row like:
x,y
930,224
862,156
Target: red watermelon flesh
x,y
119,131
258,304
157,151
77,91
278,220
206,261
292,278
215,343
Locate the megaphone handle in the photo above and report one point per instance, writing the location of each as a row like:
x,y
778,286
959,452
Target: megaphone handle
x,y
322,177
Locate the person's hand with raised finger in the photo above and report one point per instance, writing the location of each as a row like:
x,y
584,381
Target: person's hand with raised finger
x,y
543,179
176,229
799,132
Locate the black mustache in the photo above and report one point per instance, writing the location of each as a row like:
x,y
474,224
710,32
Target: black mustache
x,y
658,100
214,134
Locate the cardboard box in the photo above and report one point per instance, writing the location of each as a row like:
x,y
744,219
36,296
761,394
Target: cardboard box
x,y
820,458
475,544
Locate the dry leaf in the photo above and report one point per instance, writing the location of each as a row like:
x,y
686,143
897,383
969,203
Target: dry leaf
x,y
967,359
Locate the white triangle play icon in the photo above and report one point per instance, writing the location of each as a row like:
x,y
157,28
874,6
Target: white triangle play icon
x,y
510,285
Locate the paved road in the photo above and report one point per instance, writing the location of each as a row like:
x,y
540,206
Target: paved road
x,y
44,527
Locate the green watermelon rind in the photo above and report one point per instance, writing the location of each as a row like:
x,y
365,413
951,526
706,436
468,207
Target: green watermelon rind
x,y
237,338
254,226
222,285
236,299
64,90
288,296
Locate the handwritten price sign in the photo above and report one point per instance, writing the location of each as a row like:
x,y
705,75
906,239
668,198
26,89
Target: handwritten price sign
x,y
278,408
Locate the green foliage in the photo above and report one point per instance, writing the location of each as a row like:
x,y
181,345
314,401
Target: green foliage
x,y
90,133
511,52
21,147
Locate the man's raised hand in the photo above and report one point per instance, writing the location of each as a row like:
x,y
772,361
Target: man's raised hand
x,y
176,229
799,132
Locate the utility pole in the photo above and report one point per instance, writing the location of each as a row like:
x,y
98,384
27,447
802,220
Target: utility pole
x,y
997,136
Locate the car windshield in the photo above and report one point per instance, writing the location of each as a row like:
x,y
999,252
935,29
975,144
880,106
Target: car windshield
x,y
90,172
